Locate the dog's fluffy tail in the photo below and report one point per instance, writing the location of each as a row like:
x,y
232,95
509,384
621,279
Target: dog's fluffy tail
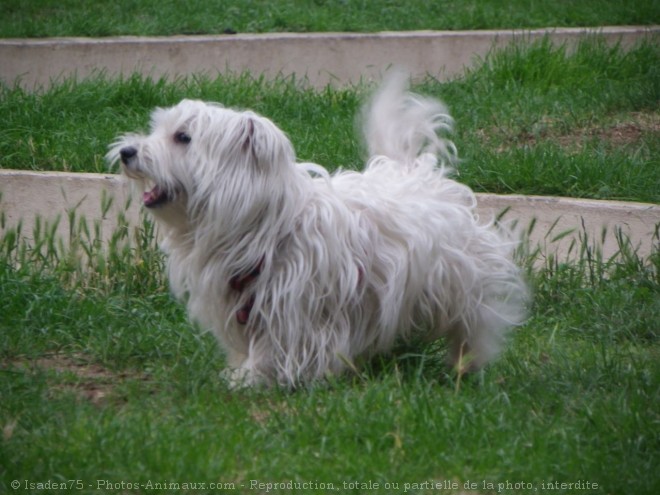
x,y
403,126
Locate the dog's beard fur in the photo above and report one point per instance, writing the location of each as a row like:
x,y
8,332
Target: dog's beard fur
x,y
299,273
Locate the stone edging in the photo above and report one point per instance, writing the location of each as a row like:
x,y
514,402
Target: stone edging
x,y
321,58
49,195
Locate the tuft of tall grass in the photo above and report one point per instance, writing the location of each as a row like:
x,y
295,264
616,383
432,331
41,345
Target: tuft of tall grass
x,y
625,282
128,261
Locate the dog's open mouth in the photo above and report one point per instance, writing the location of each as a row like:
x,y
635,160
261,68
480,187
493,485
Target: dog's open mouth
x,y
155,197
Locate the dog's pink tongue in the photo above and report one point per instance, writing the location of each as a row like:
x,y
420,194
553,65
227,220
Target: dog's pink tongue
x,y
150,197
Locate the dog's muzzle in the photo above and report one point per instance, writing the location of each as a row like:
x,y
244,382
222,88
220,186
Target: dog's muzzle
x,y
151,198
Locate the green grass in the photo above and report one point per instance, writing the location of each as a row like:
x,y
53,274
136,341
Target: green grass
x,y
533,120
103,380
38,18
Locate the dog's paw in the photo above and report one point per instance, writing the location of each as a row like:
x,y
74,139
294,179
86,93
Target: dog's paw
x,y
239,378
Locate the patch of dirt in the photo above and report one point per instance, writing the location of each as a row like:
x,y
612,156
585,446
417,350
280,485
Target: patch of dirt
x,y
75,373
261,413
619,132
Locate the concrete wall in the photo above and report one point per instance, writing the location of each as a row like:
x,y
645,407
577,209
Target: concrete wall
x,y
336,58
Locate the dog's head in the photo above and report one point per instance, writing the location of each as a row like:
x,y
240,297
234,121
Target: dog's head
x,y
203,161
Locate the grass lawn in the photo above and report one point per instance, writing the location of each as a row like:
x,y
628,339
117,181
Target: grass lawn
x,y
38,18
105,385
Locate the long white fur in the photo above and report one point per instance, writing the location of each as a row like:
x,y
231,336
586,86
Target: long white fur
x,y
350,262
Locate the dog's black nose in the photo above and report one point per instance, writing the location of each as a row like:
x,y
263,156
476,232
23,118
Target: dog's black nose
x,y
127,153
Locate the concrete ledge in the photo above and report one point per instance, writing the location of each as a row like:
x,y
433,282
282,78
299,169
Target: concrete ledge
x,y
557,226
51,195
322,58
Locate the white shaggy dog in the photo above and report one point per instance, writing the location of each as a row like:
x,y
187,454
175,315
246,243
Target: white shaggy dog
x,y
299,272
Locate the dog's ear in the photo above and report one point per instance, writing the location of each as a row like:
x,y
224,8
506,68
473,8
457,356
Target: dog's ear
x,y
248,135
263,144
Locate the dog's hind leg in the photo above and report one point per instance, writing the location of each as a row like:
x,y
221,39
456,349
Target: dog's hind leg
x,y
477,339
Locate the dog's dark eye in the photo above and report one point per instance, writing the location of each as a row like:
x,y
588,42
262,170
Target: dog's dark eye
x,y
182,138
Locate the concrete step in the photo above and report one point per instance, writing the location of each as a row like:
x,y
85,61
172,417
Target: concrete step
x,y
559,223
321,58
